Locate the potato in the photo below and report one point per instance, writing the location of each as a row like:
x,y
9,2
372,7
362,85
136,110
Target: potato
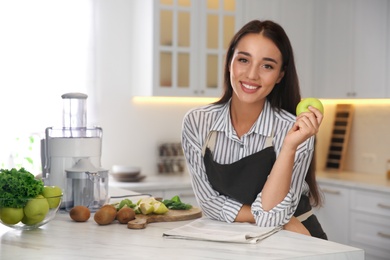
x,y
105,215
125,214
80,213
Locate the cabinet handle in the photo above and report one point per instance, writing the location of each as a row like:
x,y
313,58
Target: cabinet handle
x,y
384,206
381,234
336,192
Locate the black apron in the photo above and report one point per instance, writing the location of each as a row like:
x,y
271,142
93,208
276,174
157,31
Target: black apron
x,y
243,180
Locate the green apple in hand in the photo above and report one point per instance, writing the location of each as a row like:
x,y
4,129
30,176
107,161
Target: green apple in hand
x,y
305,103
11,216
35,210
53,195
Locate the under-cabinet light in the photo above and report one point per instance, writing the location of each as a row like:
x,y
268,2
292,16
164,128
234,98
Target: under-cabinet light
x,y
173,100
363,101
208,100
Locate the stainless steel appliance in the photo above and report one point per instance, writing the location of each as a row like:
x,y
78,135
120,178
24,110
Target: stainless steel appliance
x,y
65,146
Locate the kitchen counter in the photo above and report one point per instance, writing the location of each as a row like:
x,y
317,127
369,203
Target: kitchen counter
x,y
64,239
353,179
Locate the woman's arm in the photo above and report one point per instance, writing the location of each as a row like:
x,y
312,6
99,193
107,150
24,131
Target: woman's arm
x,y
294,225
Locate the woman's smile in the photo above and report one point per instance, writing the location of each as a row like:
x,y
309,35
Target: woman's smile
x,y
249,88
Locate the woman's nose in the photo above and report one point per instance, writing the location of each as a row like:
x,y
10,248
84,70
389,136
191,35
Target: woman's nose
x,y
253,73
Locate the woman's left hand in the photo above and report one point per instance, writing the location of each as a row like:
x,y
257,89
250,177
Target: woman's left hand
x,y
306,125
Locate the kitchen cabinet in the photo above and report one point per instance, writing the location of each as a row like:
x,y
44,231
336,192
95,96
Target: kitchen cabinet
x,y
334,216
185,46
350,47
356,214
370,226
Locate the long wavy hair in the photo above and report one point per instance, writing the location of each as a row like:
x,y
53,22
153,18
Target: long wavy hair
x,y
286,94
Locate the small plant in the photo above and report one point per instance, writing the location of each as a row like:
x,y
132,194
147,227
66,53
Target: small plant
x,y
25,154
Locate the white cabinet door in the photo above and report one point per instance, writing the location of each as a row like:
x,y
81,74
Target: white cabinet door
x,y
334,215
351,43
187,40
371,26
333,48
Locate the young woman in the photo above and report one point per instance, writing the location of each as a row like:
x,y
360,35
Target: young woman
x,y
248,154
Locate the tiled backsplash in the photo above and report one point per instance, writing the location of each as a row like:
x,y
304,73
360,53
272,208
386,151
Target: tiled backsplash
x,y
369,145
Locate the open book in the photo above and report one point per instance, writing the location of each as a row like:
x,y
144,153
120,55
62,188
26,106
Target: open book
x,y
213,230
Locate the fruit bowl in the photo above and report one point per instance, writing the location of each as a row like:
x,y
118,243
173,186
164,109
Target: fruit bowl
x,y
36,212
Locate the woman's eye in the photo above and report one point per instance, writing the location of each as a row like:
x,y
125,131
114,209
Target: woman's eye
x,y
267,66
243,60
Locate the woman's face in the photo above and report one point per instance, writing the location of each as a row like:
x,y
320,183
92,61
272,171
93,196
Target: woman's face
x,y
255,68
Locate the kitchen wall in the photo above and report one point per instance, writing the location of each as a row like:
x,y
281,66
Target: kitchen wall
x,y
369,145
133,130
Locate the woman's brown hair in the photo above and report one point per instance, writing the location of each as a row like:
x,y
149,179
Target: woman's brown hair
x,y
286,94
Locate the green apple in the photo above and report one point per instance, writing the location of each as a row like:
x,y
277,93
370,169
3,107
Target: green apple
x,y
146,208
11,216
160,208
35,210
305,103
53,195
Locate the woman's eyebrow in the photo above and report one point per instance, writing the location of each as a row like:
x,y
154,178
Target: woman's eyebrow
x,y
265,58
270,59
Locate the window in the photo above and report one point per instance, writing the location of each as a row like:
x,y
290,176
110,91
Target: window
x,y
45,51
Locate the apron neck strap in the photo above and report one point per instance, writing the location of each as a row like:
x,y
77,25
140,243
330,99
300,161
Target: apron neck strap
x,y
210,142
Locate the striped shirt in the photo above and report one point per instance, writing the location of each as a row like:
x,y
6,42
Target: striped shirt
x,y
229,148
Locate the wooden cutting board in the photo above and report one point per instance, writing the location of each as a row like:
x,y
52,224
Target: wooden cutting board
x,y
141,220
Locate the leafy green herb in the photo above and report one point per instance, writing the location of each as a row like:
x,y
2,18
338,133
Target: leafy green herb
x,y
17,186
176,203
126,202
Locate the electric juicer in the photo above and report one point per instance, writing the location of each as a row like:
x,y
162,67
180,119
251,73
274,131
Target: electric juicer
x,y
71,156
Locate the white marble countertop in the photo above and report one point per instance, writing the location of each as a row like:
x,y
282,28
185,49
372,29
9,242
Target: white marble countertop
x,y
64,239
357,180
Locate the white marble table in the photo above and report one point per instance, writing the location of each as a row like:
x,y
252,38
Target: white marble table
x,y
64,239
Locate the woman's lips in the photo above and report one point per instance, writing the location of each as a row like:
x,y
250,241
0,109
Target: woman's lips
x,y
249,88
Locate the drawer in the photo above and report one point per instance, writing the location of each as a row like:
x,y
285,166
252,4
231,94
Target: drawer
x,y
371,202
371,253
371,230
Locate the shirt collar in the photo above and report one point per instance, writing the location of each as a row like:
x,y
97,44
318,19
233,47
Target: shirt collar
x,y
263,125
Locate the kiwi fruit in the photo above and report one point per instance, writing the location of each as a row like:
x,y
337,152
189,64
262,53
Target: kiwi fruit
x,y
105,215
80,213
125,214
